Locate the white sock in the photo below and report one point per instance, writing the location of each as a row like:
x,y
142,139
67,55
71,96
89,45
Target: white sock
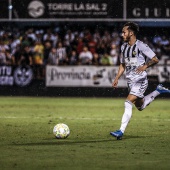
x,y
126,116
149,98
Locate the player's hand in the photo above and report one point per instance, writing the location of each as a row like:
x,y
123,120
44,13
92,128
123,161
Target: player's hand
x,y
115,83
140,69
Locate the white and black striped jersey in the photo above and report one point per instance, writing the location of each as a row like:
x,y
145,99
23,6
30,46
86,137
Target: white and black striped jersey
x,y
61,53
135,56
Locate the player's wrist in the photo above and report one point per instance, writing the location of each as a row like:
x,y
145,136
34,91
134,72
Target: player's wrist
x,y
116,78
146,66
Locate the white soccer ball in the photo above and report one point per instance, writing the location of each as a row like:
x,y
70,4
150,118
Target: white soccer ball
x,y
61,131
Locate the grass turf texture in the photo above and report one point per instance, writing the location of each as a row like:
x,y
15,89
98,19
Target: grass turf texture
x,y
27,141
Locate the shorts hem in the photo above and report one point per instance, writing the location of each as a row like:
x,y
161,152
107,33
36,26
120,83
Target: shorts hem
x,y
141,97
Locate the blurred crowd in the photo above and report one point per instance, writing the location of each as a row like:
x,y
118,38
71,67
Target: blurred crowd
x,y
55,46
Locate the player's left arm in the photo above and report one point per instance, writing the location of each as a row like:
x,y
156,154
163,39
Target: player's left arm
x,y
146,51
150,63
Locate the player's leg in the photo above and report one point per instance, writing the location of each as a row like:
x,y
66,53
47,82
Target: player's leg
x,y
128,111
126,116
138,103
136,90
141,104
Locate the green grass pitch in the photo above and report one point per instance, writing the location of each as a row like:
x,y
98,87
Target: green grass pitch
x,y
27,141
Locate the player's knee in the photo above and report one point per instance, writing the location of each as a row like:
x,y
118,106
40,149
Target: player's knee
x,y
139,108
139,105
128,103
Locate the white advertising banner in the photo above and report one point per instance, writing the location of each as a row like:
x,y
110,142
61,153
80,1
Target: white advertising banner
x,y
93,76
162,72
82,76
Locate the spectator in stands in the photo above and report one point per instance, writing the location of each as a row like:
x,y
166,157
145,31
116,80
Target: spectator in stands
x,y
106,38
106,60
10,60
164,41
72,39
47,50
39,35
92,45
53,57
157,38
26,41
101,48
115,38
61,54
13,42
69,37
87,36
145,40
97,35
80,45
38,53
56,39
73,60
74,44
114,54
96,59
17,54
26,57
2,56
5,37
49,36
3,46
30,34
157,50
85,56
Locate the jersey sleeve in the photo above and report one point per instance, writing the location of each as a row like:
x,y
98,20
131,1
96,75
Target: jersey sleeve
x,y
145,49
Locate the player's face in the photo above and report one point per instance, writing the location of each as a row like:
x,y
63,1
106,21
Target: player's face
x,y
126,34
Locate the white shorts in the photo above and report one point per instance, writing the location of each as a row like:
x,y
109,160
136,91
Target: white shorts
x,y
138,87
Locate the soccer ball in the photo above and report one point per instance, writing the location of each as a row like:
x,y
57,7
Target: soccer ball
x,y
61,131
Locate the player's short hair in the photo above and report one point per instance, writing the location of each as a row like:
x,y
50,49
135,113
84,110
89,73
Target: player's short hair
x,y
132,26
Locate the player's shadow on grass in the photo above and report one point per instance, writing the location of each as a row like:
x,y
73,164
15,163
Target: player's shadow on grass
x,y
74,142
64,142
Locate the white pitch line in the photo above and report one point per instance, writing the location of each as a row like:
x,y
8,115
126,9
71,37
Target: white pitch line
x,y
88,118
10,117
77,118
69,118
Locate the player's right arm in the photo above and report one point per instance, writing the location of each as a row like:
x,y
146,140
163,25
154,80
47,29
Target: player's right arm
x,y
121,67
120,72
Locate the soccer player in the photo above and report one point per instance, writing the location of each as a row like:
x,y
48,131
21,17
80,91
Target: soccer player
x,y
136,57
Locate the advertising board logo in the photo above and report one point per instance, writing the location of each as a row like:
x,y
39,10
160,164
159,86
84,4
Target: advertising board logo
x,y
36,9
23,75
98,77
